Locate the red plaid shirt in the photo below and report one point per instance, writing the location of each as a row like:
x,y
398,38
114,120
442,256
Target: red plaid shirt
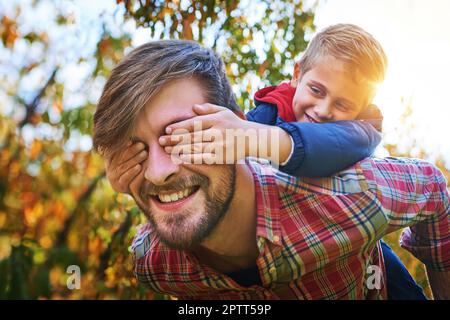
x,y
318,238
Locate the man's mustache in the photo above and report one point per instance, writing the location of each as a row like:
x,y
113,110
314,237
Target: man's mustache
x,y
179,184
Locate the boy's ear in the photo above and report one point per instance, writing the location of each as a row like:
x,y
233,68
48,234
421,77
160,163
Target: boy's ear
x,y
296,75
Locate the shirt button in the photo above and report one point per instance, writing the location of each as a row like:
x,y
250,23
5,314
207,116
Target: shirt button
x,y
272,270
276,238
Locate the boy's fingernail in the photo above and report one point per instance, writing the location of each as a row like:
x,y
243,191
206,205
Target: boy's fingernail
x,y
162,140
168,130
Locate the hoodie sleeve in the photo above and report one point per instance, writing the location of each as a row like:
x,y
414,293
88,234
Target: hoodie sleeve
x,y
264,113
322,149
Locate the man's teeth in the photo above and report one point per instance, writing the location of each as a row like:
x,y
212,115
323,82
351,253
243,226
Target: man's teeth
x,y
171,197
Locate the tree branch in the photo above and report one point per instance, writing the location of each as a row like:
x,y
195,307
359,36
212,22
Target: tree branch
x,y
31,107
106,254
62,236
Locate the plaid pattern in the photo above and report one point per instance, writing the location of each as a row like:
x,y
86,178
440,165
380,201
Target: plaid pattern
x,y
318,238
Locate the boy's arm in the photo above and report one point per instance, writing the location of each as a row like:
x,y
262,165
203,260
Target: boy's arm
x,y
264,113
322,149
413,193
311,149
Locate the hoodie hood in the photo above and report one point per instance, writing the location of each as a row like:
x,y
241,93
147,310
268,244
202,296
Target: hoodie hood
x,y
281,96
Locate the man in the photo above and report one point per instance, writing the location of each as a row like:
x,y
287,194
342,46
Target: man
x,y
248,231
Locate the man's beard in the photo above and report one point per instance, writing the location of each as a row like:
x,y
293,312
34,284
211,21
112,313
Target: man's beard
x,y
187,229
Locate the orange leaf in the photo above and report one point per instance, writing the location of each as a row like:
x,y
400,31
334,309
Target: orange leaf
x,y
35,149
8,31
33,214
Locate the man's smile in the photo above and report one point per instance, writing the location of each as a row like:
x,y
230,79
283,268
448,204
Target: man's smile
x,y
172,200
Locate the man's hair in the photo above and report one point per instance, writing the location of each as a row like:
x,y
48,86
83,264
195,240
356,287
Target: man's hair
x,y
142,74
352,45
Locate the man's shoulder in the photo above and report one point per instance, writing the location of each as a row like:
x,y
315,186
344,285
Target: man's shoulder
x,y
364,175
351,180
396,175
400,166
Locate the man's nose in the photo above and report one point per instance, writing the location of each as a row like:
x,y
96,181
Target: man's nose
x,y
323,111
159,167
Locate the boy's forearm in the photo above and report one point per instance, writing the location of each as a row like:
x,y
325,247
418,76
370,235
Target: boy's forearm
x,y
273,143
284,146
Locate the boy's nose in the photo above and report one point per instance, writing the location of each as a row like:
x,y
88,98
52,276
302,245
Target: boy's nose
x,y
324,111
159,167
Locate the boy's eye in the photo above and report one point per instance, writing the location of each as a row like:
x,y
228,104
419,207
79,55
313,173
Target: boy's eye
x,y
315,90
342,106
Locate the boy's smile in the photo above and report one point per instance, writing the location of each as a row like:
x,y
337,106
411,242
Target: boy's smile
x,y
328,92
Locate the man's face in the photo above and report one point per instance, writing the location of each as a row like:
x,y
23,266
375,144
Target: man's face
x,y
328,92
183,202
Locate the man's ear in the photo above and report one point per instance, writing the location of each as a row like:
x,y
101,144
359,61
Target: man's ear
x,y
296,75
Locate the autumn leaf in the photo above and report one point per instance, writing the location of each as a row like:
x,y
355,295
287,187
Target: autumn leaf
x,y
35,149
8,31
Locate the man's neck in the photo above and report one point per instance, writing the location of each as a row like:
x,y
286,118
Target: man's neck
x,y
232,244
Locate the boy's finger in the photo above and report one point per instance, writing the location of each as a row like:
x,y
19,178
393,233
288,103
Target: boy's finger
x,y
199,158
129,152
190,125
207,108
194,148
130,163
186,138
129,175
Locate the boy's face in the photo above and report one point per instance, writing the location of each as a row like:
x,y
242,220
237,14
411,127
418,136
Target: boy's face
x,y
327,92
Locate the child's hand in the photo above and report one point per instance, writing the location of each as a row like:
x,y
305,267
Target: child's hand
x,y
219,136
215,136
123,167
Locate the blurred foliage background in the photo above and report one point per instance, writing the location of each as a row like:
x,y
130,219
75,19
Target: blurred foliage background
x,y
56,207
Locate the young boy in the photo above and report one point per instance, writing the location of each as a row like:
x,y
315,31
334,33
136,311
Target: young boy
x,y
335,80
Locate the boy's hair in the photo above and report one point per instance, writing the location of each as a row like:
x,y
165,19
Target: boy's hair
x,y
142,74
352,45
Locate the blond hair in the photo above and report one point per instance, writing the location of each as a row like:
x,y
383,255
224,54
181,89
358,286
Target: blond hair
x,y
352,45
